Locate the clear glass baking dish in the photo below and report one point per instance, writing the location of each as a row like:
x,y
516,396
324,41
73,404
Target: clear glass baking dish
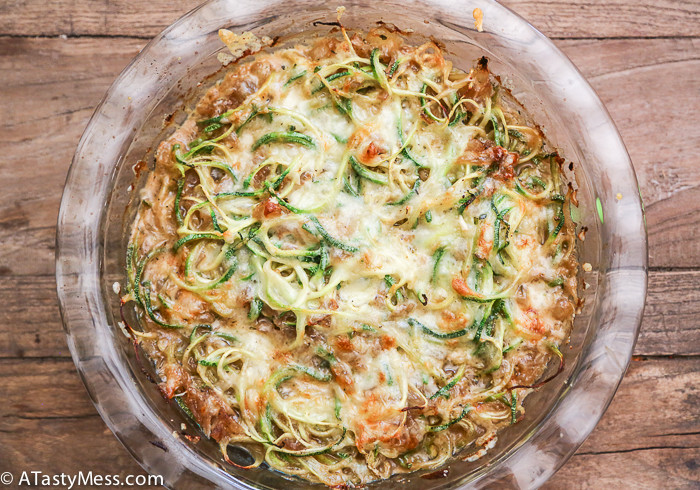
x,y
151,96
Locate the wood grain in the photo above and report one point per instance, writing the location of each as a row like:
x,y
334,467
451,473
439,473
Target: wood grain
x,y
69,76
68,445
45,395
643,469
670,323
643,59
640,82
656,406
669,326
556,18
47,388
612,18
49,86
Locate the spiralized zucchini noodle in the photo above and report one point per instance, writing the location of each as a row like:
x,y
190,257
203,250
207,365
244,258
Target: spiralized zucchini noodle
x,y
353,259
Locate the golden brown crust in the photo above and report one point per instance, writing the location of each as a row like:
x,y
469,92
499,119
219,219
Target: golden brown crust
x,y
248,360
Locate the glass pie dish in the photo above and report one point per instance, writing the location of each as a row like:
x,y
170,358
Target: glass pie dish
x,y
151,97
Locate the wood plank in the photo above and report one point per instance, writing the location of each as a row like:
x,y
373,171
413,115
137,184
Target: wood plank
x,y
48,388
49,86
140,18
611,18
670,325
48,424
557,18
30,322
640,82
43,389
44,395
651,469
650,435
671,322
655,406
60,81
68,446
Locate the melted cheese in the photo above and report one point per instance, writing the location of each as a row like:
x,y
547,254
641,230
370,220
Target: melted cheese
x,y
366,275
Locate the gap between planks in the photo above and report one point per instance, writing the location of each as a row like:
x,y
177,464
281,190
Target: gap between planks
x,y
148,38
635,358
650,269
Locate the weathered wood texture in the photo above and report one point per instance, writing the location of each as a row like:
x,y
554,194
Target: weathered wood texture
x,y
50,87
639,82
556,18
643,469
641,57
61,81
45,395
669,326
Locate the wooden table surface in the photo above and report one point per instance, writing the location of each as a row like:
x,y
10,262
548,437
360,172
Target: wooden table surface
x,y
57,58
